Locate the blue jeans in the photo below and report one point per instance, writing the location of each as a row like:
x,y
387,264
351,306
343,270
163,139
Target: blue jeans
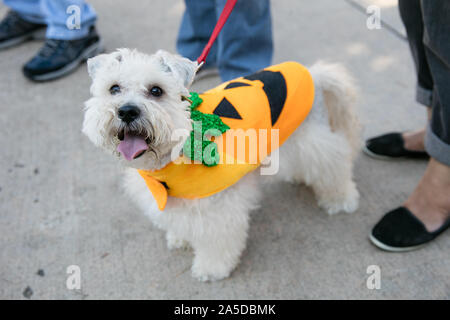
x,y
245,43
53,14
427,24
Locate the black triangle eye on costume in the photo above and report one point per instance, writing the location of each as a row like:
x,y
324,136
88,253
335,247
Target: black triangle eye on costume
x,y
275,89
227,110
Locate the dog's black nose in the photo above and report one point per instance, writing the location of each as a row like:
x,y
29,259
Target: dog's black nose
x,y
128,113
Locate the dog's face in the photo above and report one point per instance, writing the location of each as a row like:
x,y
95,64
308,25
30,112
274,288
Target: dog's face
x,y
136,105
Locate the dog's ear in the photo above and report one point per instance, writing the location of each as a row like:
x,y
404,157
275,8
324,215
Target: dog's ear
x,y
93,64
181,68
101,60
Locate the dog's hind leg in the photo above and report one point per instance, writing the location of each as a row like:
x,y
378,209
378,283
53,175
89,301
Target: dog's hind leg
x,y
321,159
330,171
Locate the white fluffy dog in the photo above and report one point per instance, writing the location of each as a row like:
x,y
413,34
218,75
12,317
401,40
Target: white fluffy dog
x,y
320,153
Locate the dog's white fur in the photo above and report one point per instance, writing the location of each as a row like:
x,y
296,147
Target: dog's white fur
x,y
320,153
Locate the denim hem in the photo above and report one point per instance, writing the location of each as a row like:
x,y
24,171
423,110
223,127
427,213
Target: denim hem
x,y
64,33
424,96
437,148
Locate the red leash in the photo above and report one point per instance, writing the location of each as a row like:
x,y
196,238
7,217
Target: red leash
x,y
220,23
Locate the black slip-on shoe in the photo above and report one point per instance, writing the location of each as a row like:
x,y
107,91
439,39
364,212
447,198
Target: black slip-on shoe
x,y
391,146
60,57
399,230
15,30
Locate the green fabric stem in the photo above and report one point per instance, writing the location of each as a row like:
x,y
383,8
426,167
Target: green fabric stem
x,y
196,147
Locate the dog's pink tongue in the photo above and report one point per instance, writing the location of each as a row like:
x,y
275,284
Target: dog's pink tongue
x,y
131,146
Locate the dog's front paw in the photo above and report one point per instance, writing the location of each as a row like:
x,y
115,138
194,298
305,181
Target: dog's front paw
x,y
348,203
203,271
174,242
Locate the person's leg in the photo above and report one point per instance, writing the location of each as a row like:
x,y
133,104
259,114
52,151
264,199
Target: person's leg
x,y
409,144
431,201
411,14
436,38
29,10
245,43
426,213
58,12
196,26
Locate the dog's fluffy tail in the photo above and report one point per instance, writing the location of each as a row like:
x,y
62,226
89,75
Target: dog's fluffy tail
x,y
340,95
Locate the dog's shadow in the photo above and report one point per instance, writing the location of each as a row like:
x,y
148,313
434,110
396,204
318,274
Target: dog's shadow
x,y
286,211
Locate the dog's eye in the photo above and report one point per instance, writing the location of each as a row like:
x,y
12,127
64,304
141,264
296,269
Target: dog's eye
x,y
156,91
115,89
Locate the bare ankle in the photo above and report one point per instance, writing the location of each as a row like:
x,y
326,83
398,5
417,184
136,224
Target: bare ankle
x,y
429,201
414,141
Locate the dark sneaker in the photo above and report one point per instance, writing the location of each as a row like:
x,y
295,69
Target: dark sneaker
x,y
15,30
60,57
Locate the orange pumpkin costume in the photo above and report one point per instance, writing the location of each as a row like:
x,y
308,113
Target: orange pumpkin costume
x,y
278,97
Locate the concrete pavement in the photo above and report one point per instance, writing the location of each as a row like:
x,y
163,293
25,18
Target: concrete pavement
x,y
61,202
